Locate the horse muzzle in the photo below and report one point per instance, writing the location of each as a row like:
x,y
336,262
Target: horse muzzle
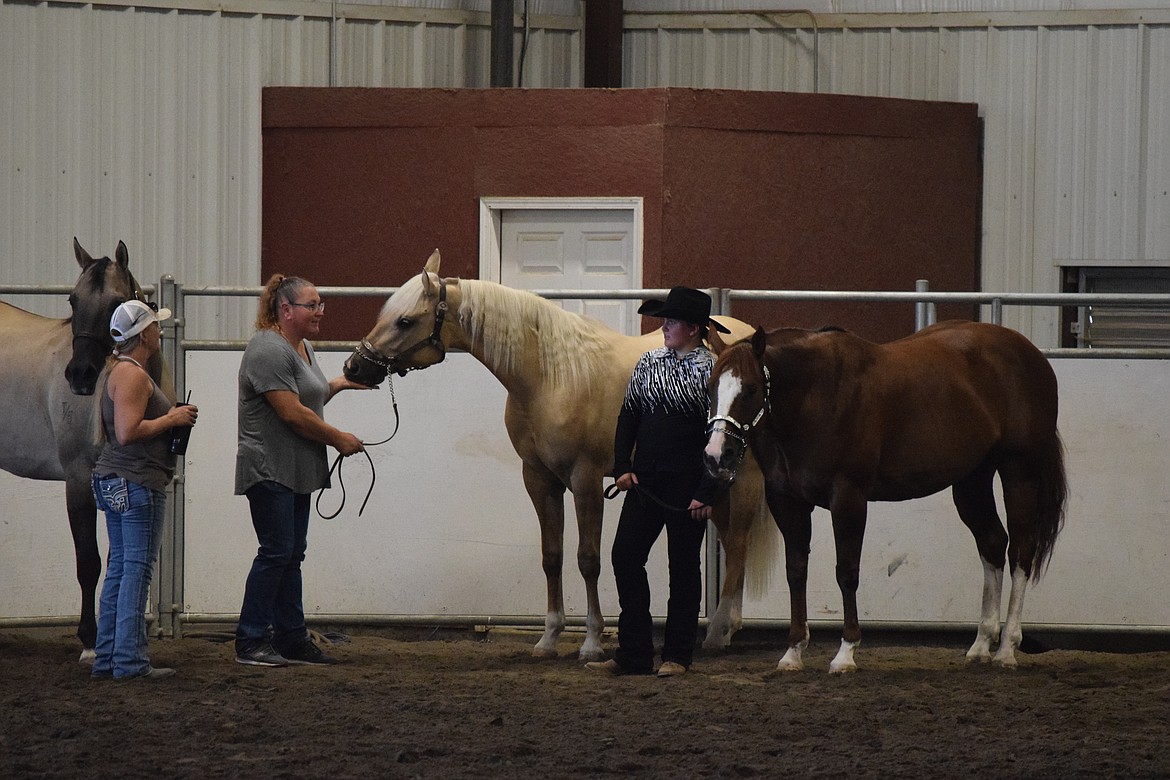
x,y
365,368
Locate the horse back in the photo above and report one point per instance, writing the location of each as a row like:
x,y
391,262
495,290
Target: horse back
x,y
911,417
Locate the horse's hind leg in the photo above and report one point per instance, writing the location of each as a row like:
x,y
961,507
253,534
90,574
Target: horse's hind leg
x,y
1021,503
975,501
83,525
587,500
548,498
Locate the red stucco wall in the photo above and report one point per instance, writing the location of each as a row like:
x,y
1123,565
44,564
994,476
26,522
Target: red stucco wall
x,y
741,189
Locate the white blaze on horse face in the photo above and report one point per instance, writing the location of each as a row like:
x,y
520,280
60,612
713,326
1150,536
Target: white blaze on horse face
x,y
726,391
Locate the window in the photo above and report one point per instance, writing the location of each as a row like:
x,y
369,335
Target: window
x,y
1104,326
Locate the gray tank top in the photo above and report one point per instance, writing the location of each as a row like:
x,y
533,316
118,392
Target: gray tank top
x,y
149,463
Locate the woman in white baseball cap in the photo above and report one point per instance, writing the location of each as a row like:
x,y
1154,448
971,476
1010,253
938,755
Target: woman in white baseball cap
x,y
130,480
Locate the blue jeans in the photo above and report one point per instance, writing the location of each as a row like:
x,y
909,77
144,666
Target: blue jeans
x,y
272,595
134,519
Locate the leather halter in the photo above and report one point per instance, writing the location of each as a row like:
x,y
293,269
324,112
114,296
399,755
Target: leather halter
x,y
366,351
737,430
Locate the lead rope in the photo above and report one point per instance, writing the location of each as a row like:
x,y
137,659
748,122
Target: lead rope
x,y
373,472
613,491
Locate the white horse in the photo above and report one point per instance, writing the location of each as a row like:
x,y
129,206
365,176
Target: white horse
x,y
566,376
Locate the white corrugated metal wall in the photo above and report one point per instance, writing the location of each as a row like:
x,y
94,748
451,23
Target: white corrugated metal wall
x,y
142,123
1076,106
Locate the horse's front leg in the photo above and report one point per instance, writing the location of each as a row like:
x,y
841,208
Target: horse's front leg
x,y
794,519
588,502
733,535
548,498
82,511
849,514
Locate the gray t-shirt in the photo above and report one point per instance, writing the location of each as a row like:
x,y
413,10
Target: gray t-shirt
x,y
268,449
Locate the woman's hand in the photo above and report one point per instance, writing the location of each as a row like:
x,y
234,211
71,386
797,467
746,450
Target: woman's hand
x,y
626,481
183,416
699,510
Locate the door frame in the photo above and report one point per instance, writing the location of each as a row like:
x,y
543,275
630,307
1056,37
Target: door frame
x,y
490,230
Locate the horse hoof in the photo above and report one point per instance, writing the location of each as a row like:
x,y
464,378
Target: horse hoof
x,y
978,658
591,655
789,666
1005,662
88,656
543,652
842,669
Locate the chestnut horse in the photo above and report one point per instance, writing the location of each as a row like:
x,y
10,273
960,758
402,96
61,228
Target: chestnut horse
x,y
48,370
836,421
566,376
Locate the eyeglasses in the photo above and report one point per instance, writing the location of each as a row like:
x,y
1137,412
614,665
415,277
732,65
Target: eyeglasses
x,y
313,307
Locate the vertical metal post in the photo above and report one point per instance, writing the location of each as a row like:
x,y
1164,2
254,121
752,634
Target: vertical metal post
x,y
170,565
713,581
921,312
997,311
503,20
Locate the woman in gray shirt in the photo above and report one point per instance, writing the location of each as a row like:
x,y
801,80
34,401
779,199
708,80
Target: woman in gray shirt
x,y
280,461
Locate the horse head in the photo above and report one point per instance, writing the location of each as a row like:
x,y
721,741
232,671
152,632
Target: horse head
x,y
739,389
103,284
408,333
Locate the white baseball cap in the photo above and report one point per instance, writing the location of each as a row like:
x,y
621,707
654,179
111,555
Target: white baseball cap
x,y
131,317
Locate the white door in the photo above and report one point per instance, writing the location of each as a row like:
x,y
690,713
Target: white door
x,y
581,249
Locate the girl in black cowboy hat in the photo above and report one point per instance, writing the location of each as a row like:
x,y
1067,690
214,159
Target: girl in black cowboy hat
x,y
658,450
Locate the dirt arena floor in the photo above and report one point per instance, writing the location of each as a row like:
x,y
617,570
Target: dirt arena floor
x,y
414,703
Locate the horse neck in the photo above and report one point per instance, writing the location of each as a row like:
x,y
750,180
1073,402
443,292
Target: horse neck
x,y
525,341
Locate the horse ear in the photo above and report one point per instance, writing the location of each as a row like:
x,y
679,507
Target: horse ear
x,y
432,265
83,258
716,341
759,341
122,255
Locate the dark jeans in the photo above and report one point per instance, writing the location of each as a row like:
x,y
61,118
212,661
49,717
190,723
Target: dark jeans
x,y
640,525
272,595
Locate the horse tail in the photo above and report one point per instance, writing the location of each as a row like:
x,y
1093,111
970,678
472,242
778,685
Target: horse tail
x,y
763,548
1051,500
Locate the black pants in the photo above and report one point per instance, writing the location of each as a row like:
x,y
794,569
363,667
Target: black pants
x,y
640,525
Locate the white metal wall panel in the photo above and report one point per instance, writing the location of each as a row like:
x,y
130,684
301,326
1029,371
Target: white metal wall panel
x,y
1156,151
143,125
1076,165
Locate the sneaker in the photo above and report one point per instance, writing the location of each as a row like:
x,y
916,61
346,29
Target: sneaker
x,y
151,673
613,668
261,655
309,653
671,669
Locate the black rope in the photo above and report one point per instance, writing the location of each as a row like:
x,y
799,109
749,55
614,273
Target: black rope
x,y
613,491
373,472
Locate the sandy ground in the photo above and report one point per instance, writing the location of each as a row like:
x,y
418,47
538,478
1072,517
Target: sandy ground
x,y
465,704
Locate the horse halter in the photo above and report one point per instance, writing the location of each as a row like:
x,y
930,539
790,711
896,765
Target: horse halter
x,y
737,430
388,365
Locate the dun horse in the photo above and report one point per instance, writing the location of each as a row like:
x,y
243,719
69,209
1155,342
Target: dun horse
x,y
565,376
48,367
836,421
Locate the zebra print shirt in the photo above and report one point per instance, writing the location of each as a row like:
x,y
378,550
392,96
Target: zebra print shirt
x,y
664,382
661,430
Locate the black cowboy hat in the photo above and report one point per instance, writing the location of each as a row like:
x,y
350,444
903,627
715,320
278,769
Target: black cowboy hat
x,y
683,303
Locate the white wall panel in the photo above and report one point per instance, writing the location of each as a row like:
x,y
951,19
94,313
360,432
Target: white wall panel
x,y
1155,168
1076,164
143,124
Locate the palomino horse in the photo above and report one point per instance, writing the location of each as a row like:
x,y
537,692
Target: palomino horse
x,y
566,376
836,421
47,423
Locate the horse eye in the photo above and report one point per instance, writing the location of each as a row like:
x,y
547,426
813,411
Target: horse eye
x,y
404,322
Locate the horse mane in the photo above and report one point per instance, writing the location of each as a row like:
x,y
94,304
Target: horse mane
x,y
571,348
